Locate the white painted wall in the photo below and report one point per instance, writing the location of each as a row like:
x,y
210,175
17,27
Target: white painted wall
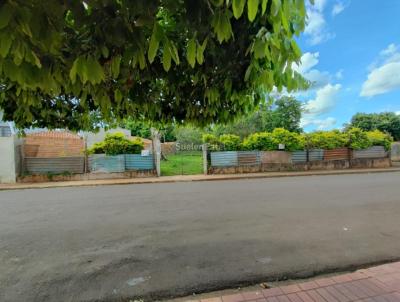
x,y
8,167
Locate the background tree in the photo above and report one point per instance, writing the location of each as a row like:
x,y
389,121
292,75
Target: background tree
x,y
284,112
142,128
287,114
167,60
388,122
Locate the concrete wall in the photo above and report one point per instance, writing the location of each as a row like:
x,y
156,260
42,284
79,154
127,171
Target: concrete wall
x,y
86,176
7,160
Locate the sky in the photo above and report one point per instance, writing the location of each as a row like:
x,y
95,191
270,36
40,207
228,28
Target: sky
x,y
351,52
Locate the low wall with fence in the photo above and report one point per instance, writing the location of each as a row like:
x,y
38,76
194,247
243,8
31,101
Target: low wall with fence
x,y
99,166
227,162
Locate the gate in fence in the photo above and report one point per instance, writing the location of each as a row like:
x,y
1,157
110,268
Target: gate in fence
x,y
185,159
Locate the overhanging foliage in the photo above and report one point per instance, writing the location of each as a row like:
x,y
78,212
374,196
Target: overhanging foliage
x,y
71,63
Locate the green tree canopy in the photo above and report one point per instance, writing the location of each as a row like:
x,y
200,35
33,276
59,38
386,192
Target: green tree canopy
x,y
388,122
61,62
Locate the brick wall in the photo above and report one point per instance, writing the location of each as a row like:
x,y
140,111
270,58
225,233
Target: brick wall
x,y
53,145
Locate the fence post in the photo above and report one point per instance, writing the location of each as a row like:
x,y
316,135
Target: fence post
x,y
157,150
86,158
205,160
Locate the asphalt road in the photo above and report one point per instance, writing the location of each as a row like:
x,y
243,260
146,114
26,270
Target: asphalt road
x,y
112,243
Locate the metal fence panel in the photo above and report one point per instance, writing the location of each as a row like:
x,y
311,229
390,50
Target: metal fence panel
x,y
139,162
224,159
108,164
299,156
395,151
337,154
279,157
315,154
249,158
373,152
37,165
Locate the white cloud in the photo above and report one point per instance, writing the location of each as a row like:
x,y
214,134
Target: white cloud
x,y
338,8
321,124
319,5
307,62
384,76
390,50
339,74
398,112
316,24
318,78
324,101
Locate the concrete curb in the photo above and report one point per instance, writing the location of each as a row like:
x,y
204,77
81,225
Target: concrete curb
x,y
189,178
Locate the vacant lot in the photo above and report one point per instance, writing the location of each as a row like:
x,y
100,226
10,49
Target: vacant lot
x,y
182,163
160,240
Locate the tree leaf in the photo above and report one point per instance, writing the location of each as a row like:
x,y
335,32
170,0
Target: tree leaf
x,y
296,49
238,7
105,52
154,43
167,59
252,8
191,52
200,51
6,13
117,95
276,6
263,6
94,71
5,44
74,69
174,52
115,66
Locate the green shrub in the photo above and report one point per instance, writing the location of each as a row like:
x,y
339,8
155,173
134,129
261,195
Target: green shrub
x,y
210,139
262,141
97,148
378,138
117,143
135,146
230,142
327,140
358,139
292,140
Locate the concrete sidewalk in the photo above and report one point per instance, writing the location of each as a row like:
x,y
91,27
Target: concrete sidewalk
x,y
376,284
188,178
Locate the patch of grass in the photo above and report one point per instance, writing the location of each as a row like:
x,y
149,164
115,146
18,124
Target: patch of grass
x,y
182,163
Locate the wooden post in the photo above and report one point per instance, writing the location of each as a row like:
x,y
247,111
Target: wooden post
x,y
205,160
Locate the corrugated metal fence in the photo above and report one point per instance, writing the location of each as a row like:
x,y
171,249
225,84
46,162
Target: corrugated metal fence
x,y
373,152
224,159
395,153
139,162
299,156
107,164
253,158
337,154
37,165
120,163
